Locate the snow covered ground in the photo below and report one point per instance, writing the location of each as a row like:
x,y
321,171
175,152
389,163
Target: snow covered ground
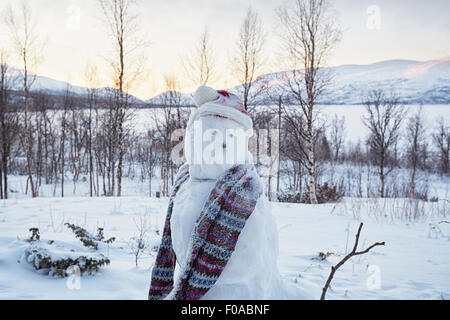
x,y
414,264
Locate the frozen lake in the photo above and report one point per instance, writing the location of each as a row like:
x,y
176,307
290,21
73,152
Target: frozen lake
x,y
144,118
356,129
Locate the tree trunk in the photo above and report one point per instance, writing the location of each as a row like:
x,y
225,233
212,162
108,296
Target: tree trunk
x,y
5,179
150,185
62,152
28,148
1,184
279,143
311,169
311,178
121,153
413,180
382,193
91,169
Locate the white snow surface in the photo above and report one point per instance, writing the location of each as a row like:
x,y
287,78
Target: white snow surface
x,y
414,264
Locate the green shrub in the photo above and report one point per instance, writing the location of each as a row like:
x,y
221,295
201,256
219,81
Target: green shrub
x,y
44,258
35,235
89,240
54,258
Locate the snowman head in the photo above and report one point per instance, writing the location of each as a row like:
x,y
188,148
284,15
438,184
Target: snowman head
x,y
217,134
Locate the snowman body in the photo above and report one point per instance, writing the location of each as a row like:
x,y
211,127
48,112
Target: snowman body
x,y
251,272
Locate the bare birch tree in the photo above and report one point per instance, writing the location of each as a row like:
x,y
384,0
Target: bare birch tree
x,y
28,47
416,148
4,97
68,103
383,119
170,118
92,93
147,155
441,139
9,124
127,64
199,65
248,57
337,135
309,32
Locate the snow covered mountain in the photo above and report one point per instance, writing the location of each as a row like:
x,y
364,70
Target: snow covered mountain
x,y
42,83
55,87
184,98
414,81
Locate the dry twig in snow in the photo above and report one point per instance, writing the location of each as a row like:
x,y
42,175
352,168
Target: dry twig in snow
x,y
347,257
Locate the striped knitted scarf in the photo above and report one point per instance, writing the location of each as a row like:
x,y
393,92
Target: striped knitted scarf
x,y
215,234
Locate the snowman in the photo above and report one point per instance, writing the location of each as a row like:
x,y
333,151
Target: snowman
x,y
220,239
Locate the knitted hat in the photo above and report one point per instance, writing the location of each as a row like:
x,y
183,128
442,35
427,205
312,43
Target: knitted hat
x,y
221,104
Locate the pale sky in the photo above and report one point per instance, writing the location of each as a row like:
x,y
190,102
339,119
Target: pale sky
x,y
408,29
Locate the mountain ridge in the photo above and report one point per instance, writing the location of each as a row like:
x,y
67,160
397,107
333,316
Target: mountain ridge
x,y
414,81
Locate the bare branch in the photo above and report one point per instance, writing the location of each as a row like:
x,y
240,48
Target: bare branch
x,y
346,258
248,56
200,65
